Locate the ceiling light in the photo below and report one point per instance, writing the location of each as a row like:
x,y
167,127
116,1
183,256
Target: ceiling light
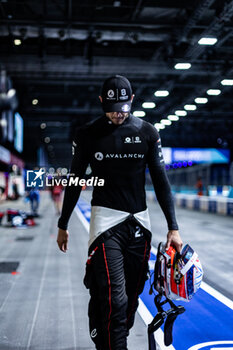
x,y
190,107
139,113
148,105
11,93
201,100
47,139
161,93
51,170
207,41
157,126
64,171
3,123
181,113
182,66
213,92
117,4
228,82
35,102
17,42
165,122
43,125
173,118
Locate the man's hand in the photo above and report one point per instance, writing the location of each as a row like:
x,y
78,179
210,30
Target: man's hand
x,y
173,238
62,239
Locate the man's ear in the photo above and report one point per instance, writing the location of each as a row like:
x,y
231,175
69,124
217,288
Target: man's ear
x,y
132,97
101,100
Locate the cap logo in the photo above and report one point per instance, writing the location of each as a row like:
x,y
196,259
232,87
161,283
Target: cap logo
x,y
110,93
123,92
125,108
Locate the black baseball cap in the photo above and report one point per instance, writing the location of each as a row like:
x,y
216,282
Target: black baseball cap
x,y
116,94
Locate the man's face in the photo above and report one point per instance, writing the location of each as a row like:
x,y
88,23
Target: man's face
x,y
117,118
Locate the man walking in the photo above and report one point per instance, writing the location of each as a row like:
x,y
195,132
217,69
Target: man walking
x,y
118,147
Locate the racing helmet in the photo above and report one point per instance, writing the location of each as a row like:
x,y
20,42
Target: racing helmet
x,y
178,276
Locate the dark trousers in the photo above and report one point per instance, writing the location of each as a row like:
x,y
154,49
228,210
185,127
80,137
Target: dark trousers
x,y
116,272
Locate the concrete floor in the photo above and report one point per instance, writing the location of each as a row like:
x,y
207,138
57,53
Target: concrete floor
x,y
44,306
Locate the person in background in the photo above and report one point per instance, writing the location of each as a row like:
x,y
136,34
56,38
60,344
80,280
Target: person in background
x,y
199,186
15,190
56,194
2,194
34,197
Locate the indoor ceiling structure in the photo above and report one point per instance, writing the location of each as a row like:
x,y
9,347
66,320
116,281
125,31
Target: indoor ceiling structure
x,y
58,53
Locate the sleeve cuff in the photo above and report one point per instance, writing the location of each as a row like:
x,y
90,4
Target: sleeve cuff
x,y
62,225
173,227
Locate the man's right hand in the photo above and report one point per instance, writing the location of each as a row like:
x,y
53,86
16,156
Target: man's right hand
x,y
62,240
173,238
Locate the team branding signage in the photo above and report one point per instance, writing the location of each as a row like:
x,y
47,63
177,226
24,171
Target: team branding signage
x,y
197,155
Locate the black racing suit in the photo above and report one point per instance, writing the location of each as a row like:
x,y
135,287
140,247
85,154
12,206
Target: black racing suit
x,y
117,266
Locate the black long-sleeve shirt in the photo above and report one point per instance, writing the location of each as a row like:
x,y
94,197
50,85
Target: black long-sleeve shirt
x,y
119,154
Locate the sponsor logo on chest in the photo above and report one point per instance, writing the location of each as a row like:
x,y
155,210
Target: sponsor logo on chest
x,y
132,139
100,156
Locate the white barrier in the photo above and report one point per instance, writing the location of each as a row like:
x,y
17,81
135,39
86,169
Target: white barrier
x,y
220,205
